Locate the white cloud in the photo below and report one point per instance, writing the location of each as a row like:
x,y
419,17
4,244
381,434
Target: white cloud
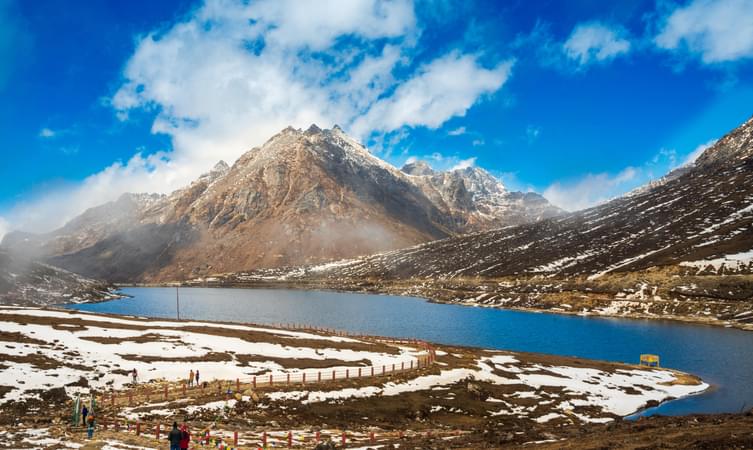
x,y
464,164
595,42
445,88
46,133
457,131
234,73
4,227
698,151
591,189
51,209
718,31
439,161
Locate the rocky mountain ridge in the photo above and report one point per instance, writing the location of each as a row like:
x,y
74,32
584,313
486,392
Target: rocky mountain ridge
x,y
302,197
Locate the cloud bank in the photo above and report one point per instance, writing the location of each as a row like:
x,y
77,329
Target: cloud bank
x,y
231,74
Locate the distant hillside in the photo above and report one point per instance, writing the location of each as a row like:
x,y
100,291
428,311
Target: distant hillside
x,y
25,282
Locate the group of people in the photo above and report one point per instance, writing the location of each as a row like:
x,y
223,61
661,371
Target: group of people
x,y
193,377
179,438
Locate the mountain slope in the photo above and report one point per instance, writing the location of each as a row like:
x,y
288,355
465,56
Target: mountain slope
x,y
680,248
705,212
27,282
302,197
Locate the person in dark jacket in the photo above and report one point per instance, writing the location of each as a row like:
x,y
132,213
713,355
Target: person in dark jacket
x,y
197,377
84,413
185,437
174,437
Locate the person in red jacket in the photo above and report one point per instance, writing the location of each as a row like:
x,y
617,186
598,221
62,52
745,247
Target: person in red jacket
x,y
185,437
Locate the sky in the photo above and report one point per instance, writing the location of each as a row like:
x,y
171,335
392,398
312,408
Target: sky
x,y
581,101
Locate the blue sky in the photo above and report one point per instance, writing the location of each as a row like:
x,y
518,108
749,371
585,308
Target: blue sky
x,y
580,100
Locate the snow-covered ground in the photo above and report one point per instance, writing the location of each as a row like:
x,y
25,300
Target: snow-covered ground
x,y
621,392
43,349
106,348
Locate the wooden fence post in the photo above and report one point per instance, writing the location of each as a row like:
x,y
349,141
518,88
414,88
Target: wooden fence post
x,y
271,382
288,378
237,385
138,428
264,439
303,378
165,392
157,431
290,439
254,382
235,438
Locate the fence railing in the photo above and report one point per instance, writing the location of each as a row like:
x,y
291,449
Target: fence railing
x,y
176,390
229,439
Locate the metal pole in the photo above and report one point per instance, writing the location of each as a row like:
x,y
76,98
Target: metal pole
x,y
177,300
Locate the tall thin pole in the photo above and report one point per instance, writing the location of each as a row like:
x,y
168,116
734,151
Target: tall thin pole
x,y
177,301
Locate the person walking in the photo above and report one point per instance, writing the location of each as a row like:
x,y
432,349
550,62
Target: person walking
x,y
90,427
135,375
190,378
174,437
84,413
185,437
197,377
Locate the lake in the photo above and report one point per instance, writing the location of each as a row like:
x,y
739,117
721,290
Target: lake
x,y
721,356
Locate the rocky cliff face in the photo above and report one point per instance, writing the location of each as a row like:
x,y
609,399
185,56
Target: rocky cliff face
x,y
302,197
476,200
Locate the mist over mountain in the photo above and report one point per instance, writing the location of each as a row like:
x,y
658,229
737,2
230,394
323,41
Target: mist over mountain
x,y
303,197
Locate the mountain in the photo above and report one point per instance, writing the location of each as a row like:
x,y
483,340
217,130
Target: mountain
x,y
704,212
301,198
26,282
681,246
476,200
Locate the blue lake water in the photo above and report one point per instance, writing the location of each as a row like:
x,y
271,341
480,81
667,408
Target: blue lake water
x,y
723,357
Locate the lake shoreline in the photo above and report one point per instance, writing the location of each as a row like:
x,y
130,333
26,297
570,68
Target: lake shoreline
x,y
386,289
470,389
